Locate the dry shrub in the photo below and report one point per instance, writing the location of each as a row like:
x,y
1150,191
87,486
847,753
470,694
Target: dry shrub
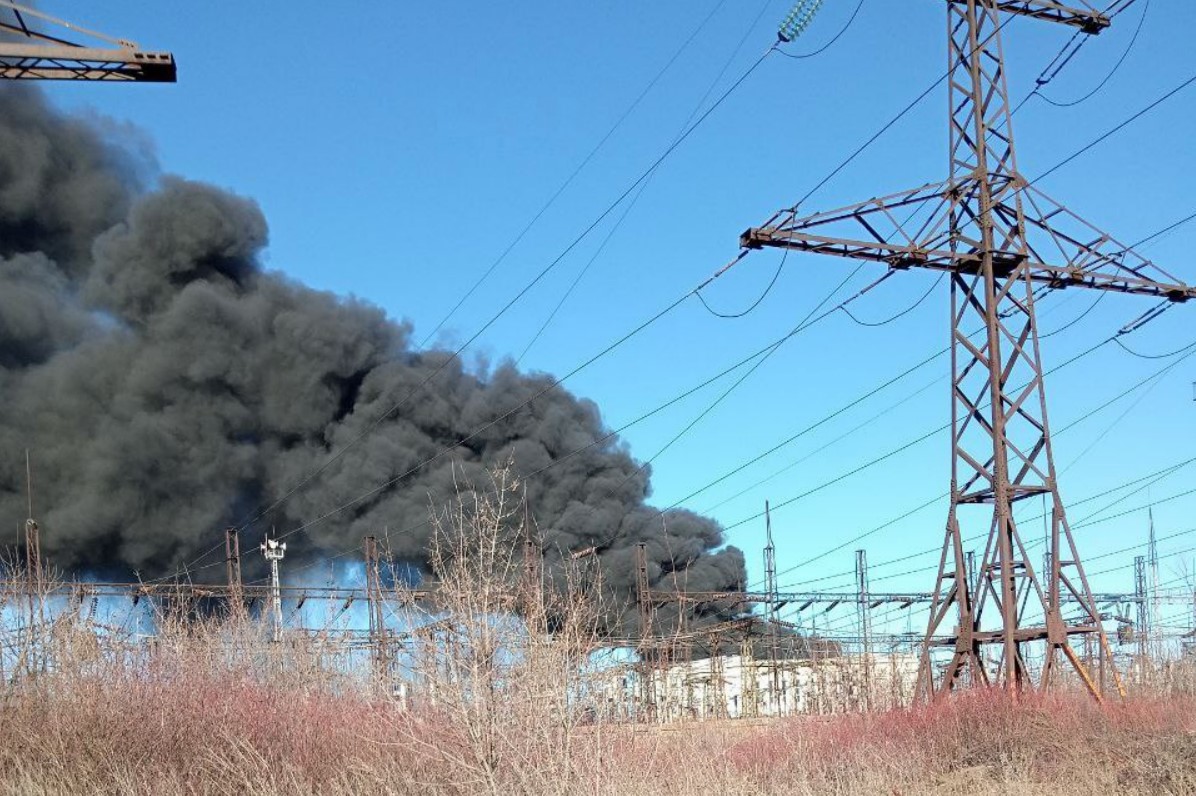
x,y
503,698
502,703
1065,743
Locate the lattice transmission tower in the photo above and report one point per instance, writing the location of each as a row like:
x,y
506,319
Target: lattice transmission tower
x,y
1003,243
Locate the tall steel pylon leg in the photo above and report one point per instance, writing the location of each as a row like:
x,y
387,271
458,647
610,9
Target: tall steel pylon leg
x,y
1001,444
999,238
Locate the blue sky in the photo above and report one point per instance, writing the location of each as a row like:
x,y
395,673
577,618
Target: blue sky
x,y
398,148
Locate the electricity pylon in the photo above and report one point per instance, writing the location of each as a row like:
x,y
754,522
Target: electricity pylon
x,y
999,238
27,53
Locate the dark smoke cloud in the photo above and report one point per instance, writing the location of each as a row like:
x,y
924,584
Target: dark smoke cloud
x,y
166,385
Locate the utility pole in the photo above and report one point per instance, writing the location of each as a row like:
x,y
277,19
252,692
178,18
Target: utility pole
x,y
34,582
864,615
1143,616
274,551
232,565
373,586
533,597
1152,563
647,612
772,608
992,231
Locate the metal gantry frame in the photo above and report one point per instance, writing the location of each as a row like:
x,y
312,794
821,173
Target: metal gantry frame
x,y
1003,242
28,53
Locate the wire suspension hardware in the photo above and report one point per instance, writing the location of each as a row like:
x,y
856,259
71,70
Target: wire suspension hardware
x,y
798,19
998,238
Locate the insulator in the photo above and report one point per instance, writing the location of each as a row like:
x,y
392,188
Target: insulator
x,y
798,19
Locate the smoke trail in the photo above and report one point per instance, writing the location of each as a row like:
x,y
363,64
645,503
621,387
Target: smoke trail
x,y
166,384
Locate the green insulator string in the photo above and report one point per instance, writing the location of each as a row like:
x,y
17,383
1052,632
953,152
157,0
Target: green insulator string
x,y
798,19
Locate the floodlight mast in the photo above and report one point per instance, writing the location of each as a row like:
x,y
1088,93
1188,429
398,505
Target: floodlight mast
x,y
274,551
30,54
999,238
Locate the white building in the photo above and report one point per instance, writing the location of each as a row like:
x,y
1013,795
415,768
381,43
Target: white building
x,y
735,686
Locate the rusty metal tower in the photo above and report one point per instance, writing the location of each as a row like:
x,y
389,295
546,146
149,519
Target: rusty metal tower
x,y
27,53
1001,240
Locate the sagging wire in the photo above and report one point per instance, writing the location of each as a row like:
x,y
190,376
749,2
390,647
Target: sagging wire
x,y
1109,76
1069,51
772,283
902,313
829,44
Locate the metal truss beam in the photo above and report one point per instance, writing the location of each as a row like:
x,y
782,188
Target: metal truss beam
x,y
30,53
1087,19
37,62
834,599
1086,256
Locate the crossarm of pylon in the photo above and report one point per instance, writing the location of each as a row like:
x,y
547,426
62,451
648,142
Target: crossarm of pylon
x,y
1087,18
1056,234
911,228
870,230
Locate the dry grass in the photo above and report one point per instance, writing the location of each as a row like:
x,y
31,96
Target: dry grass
x,y
202,732
499,706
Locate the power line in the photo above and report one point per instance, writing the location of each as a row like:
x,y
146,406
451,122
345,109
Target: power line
x,y
1165,230
1168,355
518,296
1109,76
1150,479
806,323
763,354
832,174
1156,103
726,371
751,307
857,401
369,429
576,171
884,615
903,312
1113,424
874,417
1166,473
1066,160
635,199
891,453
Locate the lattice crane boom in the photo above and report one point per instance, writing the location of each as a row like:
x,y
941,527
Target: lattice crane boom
x,y
27,53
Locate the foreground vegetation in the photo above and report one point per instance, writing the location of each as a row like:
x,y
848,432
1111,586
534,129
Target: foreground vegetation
x,y
499,705
206,734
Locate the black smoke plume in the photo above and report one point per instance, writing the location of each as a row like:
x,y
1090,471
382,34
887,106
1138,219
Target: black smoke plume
x,y
166,385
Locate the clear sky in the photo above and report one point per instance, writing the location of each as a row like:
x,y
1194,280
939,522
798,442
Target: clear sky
x,y
398,148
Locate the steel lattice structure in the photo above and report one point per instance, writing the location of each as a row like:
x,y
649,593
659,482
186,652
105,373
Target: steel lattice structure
x,y
1002,242
27,53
